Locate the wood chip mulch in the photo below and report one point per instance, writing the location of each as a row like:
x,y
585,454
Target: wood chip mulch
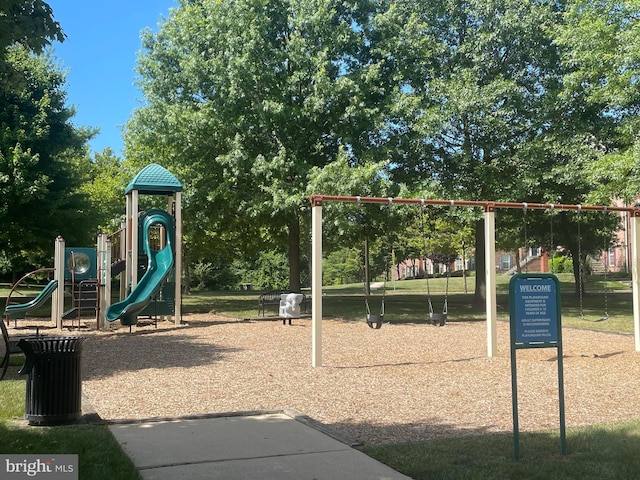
x,y
400,384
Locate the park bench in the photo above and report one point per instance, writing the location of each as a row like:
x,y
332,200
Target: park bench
x,y
272,298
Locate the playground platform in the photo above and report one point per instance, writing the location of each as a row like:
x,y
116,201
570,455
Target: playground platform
x,y
280,445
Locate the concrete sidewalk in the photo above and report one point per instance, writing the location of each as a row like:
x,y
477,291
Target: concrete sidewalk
x,y
264,446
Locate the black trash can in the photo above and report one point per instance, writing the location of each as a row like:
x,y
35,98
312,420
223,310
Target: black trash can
x,y
54,379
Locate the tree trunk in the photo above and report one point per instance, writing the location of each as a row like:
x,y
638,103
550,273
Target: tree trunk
x,y
294,254
464,268
578,275
481,283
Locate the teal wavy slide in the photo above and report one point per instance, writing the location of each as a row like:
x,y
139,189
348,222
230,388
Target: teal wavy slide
x,y
18,310
160,263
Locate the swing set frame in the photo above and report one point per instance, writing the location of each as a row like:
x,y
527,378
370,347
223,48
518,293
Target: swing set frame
x,y
489,209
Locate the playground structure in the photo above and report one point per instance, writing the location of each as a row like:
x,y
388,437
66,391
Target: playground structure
x,y
15,311
489,209
148,246
161,281
72,269
79,279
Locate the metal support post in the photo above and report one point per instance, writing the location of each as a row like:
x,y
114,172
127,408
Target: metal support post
x,y
316,285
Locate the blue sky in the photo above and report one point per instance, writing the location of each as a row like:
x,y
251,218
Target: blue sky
x,y
103,38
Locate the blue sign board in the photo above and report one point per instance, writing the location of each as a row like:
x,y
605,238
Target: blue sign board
x,y
534,308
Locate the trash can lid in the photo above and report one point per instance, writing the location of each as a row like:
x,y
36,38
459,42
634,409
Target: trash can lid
x,y
51,344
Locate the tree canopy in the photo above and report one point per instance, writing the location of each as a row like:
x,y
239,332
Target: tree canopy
x,y
252,101
29,23
601,48
244,99
43,157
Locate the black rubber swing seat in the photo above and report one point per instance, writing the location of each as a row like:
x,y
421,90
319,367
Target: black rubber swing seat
x,y
438,319
374,321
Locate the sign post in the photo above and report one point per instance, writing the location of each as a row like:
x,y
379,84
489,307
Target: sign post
x,y
535,320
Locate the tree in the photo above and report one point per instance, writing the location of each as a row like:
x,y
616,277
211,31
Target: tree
x,y
43,162
42,156
104,186
244,99
480,107
341,266
601,48
28,23
596,124
371,229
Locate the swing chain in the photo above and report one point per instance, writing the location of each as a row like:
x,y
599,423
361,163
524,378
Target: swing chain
x,y
388,256
445,307
375,321
424,257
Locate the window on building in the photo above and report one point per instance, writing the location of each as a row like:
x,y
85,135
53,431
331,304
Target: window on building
x,y
505,261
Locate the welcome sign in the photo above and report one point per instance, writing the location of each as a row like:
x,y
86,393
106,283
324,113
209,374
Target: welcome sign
x,y
535,321
534,309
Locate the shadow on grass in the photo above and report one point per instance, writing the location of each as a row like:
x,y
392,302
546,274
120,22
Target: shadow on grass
x,y
99,455
594,453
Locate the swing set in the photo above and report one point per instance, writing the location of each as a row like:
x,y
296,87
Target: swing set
x,y
439,318
581,271
375,320
435,318
489,256
605,249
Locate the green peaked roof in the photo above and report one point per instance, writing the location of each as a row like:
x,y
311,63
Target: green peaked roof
x,y
154,179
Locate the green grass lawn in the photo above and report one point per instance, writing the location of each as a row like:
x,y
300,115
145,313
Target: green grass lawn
x,y
595,452
99,455
600,452
406,301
